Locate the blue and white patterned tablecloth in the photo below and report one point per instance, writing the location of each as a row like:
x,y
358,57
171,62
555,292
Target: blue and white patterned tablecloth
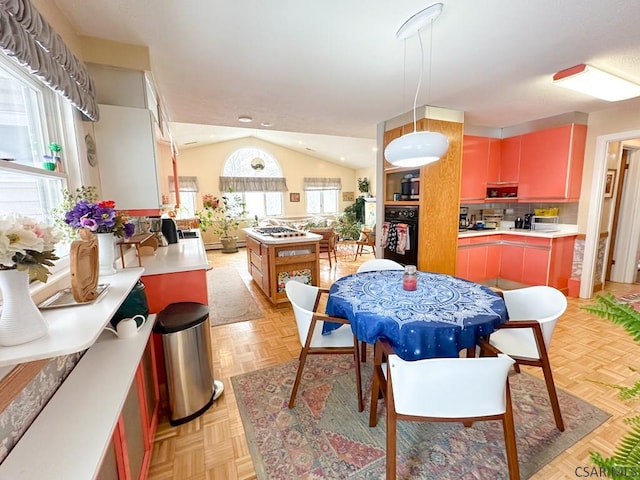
x,y
443,316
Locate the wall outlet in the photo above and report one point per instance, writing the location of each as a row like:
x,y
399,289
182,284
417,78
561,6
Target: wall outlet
x,y
508,211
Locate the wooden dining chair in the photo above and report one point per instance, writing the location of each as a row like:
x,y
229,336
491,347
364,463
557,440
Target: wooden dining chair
x,y
304,300
328,243
433,390
367,239
526,337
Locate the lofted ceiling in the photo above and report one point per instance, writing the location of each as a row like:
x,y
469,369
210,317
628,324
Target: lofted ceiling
x,y
324,74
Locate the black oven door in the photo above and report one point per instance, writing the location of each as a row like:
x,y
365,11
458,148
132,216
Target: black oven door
x,y
395,240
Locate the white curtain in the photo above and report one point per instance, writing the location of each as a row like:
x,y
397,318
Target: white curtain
x,y
253,184
326,183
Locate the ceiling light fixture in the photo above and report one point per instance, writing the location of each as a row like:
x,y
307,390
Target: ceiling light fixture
x,y
592,81
418,148
245,119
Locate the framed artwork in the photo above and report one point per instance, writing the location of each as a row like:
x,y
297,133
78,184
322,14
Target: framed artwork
x,y
610,182
294,197
348,196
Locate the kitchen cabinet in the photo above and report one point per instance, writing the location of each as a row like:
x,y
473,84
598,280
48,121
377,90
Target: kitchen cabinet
x,y
475,165
551,164
510,160
127,158
477,259
272,264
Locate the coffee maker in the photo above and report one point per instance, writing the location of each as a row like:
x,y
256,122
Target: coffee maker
x,y
156,229
528,220
464,221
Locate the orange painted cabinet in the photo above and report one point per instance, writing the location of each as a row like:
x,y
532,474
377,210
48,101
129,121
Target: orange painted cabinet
x,y
551,163
475,164
509,160
129,453
511,262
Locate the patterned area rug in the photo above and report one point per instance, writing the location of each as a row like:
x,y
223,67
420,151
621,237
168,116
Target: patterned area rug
x,y
632,299
324,437
229,299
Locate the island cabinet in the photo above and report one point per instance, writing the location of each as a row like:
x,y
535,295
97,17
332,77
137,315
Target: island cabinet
x,y
273,262
551,163
480,166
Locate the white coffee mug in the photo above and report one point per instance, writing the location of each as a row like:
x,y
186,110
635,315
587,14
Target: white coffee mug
x,y
128,327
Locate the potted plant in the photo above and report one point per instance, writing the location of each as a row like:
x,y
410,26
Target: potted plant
x,y
223,218
347,226
363,185
53,157
627,451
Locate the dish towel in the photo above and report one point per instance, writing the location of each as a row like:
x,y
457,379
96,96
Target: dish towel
x,y
384,239
402,233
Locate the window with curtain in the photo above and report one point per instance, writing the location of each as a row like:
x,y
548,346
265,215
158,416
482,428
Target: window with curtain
x,y
29,113
321,194
188,188
255,178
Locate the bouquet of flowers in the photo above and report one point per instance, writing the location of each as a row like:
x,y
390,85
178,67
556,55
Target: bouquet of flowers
x,y
82,210
27,245
209,201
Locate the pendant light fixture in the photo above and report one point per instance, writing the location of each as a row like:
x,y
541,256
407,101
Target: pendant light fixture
x,y
418,148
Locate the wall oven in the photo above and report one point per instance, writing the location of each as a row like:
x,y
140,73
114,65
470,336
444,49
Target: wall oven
x,y
400,234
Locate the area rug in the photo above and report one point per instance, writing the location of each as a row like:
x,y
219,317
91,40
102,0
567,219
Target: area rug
x,y
632,299
324,436
229,299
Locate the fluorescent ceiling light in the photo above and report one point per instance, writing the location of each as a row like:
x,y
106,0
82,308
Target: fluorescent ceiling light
x,y
587,79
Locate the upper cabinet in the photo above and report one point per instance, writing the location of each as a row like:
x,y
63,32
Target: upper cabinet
x,y
126,153
475,164
551,164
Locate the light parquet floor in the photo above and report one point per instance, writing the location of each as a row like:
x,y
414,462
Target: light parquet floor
x,y
586,353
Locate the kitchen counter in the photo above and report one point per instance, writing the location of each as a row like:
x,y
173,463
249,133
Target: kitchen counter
x,y
186,255
269,240
563,231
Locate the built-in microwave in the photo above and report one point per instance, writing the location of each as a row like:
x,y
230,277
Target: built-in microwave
x,y
410,188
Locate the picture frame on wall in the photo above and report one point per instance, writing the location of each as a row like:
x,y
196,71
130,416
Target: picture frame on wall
x,y
348,196
294,197
610,183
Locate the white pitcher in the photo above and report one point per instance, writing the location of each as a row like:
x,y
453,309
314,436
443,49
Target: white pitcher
x,y
128,327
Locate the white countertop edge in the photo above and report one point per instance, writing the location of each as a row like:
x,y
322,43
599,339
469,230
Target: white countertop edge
x,y
269,240
187,255
70,436
563,231
72,329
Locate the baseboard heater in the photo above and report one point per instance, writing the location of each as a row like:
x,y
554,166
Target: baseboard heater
x,y
218,245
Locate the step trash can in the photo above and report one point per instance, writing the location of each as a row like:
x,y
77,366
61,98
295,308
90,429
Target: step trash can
x,y
185,330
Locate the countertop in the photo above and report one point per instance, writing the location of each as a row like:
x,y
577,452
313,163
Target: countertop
x,y
269,240
70,436
186,255
563,231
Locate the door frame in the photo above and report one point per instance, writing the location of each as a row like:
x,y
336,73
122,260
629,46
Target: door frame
x,y
596,201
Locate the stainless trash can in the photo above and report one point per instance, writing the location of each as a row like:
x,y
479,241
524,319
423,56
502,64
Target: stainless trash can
x,y
184,327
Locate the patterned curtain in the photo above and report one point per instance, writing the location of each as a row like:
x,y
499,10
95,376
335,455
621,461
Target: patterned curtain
x,y
185,184
253,184
326,183
26,37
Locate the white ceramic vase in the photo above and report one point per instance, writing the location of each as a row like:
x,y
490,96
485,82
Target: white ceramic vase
x,y
106,253
20,321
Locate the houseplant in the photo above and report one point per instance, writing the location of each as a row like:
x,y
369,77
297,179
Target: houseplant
x,y
363,185
627,453
223,218
26,250
53,157
81,209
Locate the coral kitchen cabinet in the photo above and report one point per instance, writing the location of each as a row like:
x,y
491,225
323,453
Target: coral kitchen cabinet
x,y
551,164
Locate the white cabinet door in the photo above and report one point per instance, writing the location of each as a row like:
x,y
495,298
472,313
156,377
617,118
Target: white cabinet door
x,y
126,152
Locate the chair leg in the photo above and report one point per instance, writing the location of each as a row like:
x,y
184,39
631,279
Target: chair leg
x,y
363,352
391,444
356,355
553,394
296,383
510,440
376,385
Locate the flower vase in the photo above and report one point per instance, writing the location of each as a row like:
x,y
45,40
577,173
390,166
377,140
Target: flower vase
x,y
106,253
20,321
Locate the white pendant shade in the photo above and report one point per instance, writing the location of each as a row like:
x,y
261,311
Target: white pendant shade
x,y
416,149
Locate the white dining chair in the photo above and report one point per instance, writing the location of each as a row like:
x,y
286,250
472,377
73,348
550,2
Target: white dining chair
x,y
443,390
379,264
526,337
304,300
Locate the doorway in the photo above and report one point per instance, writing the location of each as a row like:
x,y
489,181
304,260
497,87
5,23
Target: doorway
x,y
625,240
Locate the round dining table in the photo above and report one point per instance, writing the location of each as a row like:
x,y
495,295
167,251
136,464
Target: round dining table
x,y
443,316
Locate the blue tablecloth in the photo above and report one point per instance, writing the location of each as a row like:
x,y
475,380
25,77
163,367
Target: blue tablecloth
x,y
443,316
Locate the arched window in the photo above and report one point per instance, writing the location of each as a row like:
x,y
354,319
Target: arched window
x,y
246,171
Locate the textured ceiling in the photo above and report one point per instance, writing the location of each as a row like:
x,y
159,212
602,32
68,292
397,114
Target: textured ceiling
x,y
334,69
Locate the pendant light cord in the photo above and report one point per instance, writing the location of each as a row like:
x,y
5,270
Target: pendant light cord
x,y
415,98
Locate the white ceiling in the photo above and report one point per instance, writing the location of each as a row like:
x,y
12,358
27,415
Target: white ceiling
x,y
324,73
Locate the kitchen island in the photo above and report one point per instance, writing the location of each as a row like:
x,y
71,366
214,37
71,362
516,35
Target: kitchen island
x,y
273,260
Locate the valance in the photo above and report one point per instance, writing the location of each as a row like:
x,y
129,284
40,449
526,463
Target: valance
x,y
26,37
326,183
253,184
185,184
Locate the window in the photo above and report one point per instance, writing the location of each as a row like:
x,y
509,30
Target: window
x,y
321,194
256,178
29,121
188,187
322,201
